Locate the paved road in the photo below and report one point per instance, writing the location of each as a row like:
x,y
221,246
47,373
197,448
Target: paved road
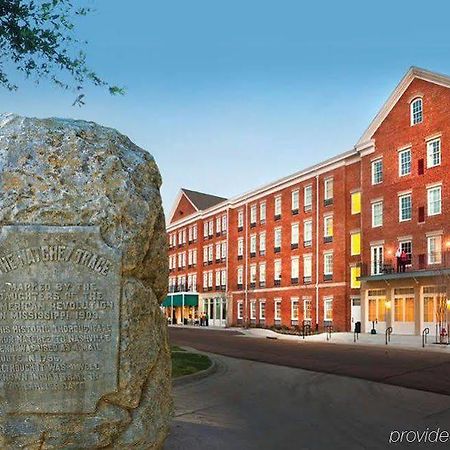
x,y
429,371
250,405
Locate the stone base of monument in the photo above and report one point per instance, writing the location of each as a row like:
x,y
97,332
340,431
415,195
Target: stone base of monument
x,y
84,358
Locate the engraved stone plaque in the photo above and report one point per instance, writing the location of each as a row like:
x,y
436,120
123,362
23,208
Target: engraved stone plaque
x,y
59,318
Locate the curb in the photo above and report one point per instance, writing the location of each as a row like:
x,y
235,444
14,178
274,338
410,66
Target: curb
x,y
197,375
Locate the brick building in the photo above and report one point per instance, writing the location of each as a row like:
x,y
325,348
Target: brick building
x,y
320,246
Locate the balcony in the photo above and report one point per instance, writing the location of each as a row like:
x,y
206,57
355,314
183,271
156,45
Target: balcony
x,y
421,265
183,288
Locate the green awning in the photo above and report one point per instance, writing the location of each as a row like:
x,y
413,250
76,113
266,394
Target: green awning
x,y
177,299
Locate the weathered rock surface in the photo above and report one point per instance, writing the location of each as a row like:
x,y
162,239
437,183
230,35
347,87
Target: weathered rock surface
x,y
58,172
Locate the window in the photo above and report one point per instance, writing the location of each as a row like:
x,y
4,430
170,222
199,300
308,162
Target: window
x,y
328,228
277,305
205,230
277,269
294,235
253,310
224,223
218,252
434,249
277,240
377,171
356,202
240,247
434,200
295,202
328,188
240,219
278,207
376,259
210,252
262,212
262,273
253,274
217,279
434,153
205,280
190,234
404,308
377,214
355,273
253,215
307,268
328,263
404,207
307,308
294,269
262,243
262,309
294,308
307,233
240,310
211,227
406,246
240,276
253,245
416,111
404,162
210,279
307,196
218,225
194,233
355,244
224,250
328,309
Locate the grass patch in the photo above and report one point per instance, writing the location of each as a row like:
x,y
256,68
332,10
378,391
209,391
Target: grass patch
x,y
175,348
184,363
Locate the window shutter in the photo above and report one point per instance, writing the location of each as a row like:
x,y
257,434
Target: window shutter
x,y
421,166
421,214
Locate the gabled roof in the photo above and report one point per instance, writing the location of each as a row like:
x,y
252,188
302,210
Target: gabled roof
x,y
413,73
201,200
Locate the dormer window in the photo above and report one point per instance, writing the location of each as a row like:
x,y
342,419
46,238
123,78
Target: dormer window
x,y
416,111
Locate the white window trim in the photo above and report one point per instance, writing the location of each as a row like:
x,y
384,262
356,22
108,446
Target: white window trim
x,y
240,311
411,113
261,317
373,215
400,152
293,300
400,219
375,161
429,189
276,315
428,143
326,300
325,255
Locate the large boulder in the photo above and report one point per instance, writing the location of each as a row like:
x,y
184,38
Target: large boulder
x,y
58,178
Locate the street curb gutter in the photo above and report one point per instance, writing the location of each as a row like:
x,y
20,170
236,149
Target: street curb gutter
x,y
197,375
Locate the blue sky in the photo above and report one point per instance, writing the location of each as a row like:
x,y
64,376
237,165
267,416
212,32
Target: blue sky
x,y
229,95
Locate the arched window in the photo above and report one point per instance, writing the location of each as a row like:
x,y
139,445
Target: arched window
x,y
416,111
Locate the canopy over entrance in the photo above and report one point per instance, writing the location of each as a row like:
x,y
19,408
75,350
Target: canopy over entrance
x,y
177,300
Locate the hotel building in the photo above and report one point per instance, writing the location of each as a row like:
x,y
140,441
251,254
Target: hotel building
x,y
319,246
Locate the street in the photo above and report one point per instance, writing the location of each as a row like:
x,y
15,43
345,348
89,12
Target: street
x,y
428,371
249,405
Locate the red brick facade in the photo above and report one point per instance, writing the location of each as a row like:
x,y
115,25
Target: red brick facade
x,y
328,290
